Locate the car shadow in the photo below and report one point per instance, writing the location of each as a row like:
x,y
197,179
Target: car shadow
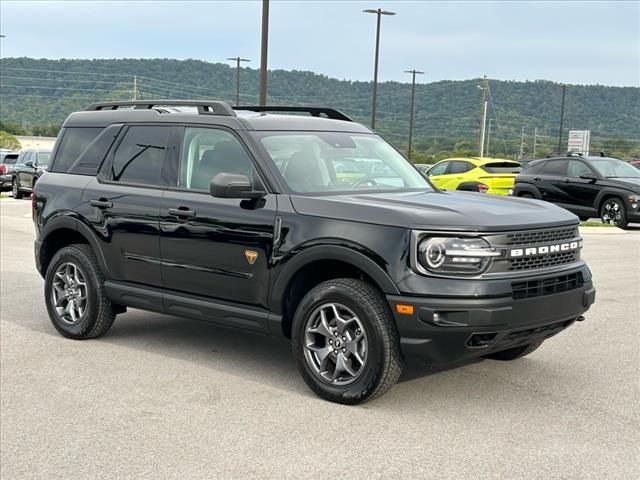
x,y
254,357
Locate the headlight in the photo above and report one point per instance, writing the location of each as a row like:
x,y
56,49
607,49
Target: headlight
x,y
451,255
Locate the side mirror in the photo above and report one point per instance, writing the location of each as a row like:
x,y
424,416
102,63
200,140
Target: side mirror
x,y
588,176
233,185
28,163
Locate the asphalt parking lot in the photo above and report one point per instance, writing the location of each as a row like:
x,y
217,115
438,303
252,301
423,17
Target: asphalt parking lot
x,y
162,397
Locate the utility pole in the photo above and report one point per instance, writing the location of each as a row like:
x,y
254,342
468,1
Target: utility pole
x,y
135,87
413,73
489,136
263,53
522,143
238,60
379,12
564,87
535,141
483,115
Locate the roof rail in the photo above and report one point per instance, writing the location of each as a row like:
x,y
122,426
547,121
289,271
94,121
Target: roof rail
x,y
204,107
331,113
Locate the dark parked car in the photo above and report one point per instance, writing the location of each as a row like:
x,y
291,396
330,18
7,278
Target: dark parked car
x,y
635,163
29,167
238,217
603,187
7,162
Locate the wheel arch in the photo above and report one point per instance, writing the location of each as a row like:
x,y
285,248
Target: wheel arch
x,y
316,265
61,232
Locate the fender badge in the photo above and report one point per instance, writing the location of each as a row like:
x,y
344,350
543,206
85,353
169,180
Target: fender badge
x,y
251,256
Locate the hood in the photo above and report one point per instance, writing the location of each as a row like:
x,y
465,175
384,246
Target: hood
x,y
630,183
463,211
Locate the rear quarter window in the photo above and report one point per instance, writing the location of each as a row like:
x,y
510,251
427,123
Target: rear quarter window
x,y
75,141
82,150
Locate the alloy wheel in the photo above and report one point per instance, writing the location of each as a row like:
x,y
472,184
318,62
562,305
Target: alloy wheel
x,y
611,213
69,293
335,344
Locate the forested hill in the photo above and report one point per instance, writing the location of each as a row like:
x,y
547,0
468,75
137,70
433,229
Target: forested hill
x,y
40,91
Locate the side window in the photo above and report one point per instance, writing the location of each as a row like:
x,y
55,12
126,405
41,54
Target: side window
x,y
74,143
207,152
577,168
555,167
459,167
140,156
26,156
438,169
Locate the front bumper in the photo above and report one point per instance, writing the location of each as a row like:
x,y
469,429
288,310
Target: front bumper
x,y
444,330
5,181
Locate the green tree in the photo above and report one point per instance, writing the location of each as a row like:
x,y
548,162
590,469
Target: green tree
x,y
8,141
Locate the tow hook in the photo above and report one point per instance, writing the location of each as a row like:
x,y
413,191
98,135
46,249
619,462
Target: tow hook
x,y
580,318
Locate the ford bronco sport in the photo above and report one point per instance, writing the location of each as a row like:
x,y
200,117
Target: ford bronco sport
x,y
306,225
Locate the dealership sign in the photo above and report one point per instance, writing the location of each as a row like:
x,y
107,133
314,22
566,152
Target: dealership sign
x,y
579,141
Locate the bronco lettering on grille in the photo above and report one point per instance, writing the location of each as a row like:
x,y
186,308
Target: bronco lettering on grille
x,y
533,251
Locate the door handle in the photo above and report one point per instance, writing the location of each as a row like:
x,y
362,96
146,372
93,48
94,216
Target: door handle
x,y
101,203
566,180
536,179
183,212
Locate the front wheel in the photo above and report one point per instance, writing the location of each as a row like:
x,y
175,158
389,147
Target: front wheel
x,y
345,342
15,189
614,213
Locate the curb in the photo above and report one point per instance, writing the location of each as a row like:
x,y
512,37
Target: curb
x,y
601,230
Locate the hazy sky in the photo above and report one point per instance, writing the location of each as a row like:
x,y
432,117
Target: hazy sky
x,y
571,41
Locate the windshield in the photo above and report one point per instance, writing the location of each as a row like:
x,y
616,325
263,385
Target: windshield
x,y
614,168
339,161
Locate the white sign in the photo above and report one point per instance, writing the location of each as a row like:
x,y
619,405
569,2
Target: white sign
x,y
579,141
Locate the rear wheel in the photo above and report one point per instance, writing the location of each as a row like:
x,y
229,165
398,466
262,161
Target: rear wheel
x,y
526,195
514,353
614,213
15,189
345,342
74,294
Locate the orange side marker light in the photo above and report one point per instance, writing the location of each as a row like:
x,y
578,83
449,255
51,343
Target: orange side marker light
x,y
404,309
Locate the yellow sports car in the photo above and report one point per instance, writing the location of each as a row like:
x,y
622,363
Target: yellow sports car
x,y
485,175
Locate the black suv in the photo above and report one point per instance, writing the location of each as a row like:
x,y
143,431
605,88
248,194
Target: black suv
x,y
29,167
240,217
603,187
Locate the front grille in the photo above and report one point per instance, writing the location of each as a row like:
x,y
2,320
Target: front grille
x,y
543,261
542,236
546,286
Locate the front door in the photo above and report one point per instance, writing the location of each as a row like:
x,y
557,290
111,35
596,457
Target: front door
x,y
215,248
581,191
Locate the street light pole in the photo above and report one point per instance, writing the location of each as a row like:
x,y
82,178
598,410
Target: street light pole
x,y
238,60
263,53
564,88
379,12
413,73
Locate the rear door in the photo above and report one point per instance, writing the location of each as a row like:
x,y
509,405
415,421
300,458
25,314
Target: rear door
x,y
215,248
123,203
550,181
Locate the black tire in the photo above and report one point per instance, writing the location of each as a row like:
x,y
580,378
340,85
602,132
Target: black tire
x,y
619,217
15,189
584,218
514,353
383,362
98,314
526,195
